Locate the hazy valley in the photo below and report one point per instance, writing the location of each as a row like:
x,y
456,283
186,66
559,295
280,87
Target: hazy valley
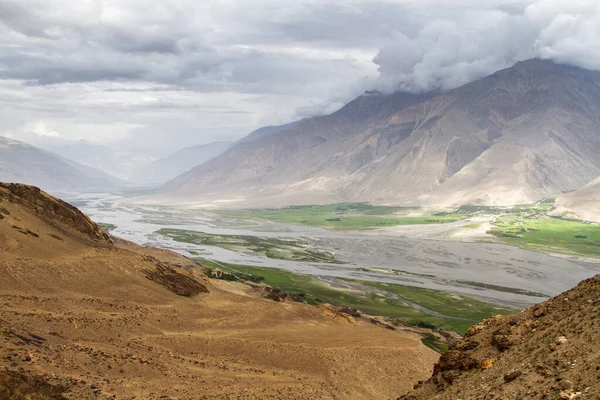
x,y
333,257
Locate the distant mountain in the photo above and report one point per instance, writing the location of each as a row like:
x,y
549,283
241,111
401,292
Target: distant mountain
x,y
582,204
22,163
121,164
179,162
521,134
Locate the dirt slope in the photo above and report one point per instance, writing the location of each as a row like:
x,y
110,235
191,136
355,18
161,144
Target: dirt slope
x,y
550,351
81,318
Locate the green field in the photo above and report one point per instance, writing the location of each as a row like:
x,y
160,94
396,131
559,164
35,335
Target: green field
x,y
549,234
344,216
526,225
281,249
374,298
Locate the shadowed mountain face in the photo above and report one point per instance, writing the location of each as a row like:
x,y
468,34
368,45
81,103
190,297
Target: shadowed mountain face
x,y
20,162
521,134
179,162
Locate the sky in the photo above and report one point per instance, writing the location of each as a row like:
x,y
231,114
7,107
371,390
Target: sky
x,y
153,76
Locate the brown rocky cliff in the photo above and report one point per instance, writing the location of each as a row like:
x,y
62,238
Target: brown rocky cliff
x,y
52,210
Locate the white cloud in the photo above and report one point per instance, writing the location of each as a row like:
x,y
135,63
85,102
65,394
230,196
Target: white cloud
x,y
458,47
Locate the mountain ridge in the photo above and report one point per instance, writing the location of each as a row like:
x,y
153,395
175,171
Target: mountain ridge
x,y
23,163
494,141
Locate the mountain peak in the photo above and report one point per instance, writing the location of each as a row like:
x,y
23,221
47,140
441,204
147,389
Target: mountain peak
x,y
540,66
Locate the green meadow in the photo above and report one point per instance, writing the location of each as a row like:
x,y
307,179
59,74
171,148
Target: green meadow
x,y
549,234
383,299
276,248
527,225
344,216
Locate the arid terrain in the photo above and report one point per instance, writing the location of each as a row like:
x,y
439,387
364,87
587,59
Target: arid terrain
x,y
549,351
82,317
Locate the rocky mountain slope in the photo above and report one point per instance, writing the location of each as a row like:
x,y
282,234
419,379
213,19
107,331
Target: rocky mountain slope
x,y
582,204
521,134
266,131
167,168
550,351
85,317
20,162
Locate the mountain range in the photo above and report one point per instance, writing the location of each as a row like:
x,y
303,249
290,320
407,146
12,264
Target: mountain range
x,y
20,162
118,163
519,135
167,168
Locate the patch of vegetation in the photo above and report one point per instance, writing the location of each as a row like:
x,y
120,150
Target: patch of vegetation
x,y
343,216
432,342
276,248
549,234
503,289
393,272
106,227
377,299
473,226
442,302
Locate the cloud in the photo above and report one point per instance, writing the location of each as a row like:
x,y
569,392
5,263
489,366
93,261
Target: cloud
x,y
460,47
160,75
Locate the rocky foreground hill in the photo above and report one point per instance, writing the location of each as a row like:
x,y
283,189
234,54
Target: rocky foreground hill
x,y
550,351
84,318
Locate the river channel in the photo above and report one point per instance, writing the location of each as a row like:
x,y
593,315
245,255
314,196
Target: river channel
x,y
458,267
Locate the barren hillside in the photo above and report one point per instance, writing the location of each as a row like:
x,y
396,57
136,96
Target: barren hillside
x,y
583,203
550,351
84,319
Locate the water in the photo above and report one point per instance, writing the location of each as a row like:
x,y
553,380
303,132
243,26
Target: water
x,y
440,265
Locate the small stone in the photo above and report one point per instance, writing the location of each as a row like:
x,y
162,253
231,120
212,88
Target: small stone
x,y
566,385
487,363
564,396
561,340
539,312
513,375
